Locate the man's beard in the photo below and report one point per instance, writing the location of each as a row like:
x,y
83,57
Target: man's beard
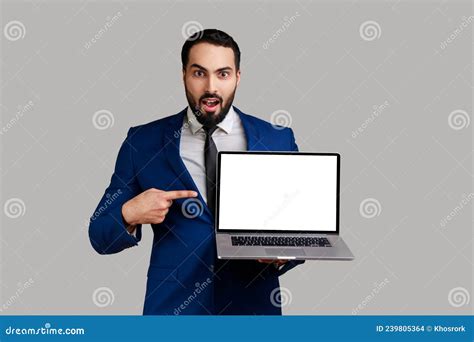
x,y
209,119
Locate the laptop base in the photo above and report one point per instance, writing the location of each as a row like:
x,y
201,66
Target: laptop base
x,y
337,251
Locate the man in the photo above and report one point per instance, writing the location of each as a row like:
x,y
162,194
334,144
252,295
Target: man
x,y
165,176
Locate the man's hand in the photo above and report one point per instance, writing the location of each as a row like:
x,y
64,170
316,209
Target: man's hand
x,y
277,263
151,206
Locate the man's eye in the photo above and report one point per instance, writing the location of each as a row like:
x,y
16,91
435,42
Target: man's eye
x,y
224,74
198,73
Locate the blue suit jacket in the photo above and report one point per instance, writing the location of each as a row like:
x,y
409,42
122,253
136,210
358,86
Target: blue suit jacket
x,y
185,276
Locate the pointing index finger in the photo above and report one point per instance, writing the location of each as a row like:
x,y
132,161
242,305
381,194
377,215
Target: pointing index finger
x,y
171,195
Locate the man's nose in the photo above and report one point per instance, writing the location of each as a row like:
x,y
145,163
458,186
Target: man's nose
x,y
211,85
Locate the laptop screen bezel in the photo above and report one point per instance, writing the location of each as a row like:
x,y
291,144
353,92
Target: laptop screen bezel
x,y
319,232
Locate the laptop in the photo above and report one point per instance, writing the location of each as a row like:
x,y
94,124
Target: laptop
x,y
278,205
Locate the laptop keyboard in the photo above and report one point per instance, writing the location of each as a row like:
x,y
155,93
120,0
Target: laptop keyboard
x,y
280,241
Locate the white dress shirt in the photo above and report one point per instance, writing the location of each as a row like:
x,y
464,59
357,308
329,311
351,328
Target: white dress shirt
x,y
229,136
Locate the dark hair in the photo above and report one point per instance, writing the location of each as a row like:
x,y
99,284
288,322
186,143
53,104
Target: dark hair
x,y
211,36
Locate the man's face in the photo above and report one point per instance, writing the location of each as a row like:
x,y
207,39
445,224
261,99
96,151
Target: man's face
x,y
210,80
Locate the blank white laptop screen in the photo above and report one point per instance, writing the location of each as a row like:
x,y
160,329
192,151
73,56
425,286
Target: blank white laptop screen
x,y
278,192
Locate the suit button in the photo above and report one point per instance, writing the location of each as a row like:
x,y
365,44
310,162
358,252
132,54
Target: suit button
x,y
211,268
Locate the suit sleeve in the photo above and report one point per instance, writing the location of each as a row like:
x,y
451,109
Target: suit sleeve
x,y
293,145
107,229
292,263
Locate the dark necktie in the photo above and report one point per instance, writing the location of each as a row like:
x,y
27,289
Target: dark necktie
x,y
210,157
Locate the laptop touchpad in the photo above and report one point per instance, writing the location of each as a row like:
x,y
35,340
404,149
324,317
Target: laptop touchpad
x,y
285,251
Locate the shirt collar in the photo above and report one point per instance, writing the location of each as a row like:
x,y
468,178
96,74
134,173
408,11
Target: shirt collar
x,y
225,125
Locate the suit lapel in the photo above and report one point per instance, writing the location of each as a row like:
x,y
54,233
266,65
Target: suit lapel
x,y
251,134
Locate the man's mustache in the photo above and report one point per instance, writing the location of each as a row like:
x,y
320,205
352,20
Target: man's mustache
x,y
209,96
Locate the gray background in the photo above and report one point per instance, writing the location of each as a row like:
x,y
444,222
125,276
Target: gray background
x,y
411,159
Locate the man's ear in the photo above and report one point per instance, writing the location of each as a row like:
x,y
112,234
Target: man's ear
x,y
184,74
238,77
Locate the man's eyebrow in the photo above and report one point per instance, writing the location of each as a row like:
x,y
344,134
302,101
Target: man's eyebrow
x,y
225,68
195,65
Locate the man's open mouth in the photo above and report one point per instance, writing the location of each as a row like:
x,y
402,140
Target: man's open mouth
x,y
210,104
